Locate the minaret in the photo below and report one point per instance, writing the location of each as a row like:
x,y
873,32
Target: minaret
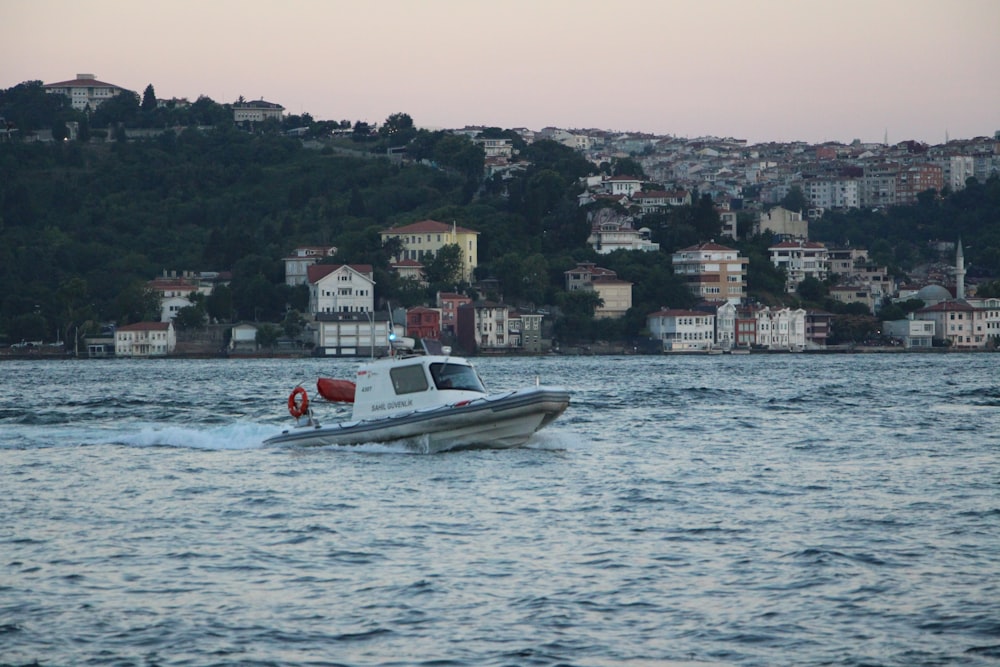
x,y
959,272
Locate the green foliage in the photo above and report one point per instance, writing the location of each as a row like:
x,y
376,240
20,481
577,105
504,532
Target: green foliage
x,y
190,318
811,289
267,336
444,270
84,226
795,200
28,108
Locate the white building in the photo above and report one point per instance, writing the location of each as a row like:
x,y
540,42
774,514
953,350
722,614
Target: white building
x,y
915,334
341,288
782,329
352,334
725,325
800,260
832,193
256,111
84,92
610,232
682,330
145,339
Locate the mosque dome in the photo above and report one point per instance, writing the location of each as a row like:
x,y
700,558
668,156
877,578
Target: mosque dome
x,y
932,294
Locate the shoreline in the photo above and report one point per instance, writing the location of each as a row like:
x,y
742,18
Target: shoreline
x,y
66,356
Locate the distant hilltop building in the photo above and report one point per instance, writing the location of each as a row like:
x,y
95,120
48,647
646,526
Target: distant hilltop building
x,y
256,111
84,92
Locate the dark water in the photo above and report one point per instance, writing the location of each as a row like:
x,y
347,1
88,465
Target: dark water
x,y
757,510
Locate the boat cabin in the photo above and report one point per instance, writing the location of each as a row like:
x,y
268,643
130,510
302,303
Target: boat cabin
x,y
397,385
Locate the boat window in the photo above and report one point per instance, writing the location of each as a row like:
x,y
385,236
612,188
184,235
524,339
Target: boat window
x,y
408,379
456,376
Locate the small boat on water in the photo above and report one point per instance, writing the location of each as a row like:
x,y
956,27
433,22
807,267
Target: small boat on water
x,y
431,401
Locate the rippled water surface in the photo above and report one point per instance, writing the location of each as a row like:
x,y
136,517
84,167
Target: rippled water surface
x,y
755,510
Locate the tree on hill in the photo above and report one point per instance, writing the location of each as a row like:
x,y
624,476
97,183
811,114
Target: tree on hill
x,y
148,104
122,109
28,108
397,129
795,200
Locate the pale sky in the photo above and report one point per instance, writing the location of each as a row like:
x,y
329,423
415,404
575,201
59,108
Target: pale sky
x,y
761,70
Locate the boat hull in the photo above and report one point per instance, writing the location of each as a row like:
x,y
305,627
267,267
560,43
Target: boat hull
x,y
500,421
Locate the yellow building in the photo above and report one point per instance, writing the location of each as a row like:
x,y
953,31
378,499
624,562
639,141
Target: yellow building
x,y
422,240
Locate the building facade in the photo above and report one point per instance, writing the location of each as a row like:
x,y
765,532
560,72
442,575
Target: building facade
x,y
682,330
712,272
145,339
341,288
422,240
84,92
297,264
800,260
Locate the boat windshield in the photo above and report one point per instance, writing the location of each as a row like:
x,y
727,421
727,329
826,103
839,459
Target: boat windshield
x,y
456,376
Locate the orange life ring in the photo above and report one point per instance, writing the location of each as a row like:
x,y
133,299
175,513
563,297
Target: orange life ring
x,y
296,408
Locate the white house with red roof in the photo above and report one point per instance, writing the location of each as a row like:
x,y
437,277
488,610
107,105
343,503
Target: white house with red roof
x,y
682,330
341,288
422,240
145,339
958,322
409,269
84,92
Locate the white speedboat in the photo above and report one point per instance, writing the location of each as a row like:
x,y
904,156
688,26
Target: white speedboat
x,y
431,402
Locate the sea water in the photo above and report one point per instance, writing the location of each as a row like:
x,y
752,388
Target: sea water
x,y
714,510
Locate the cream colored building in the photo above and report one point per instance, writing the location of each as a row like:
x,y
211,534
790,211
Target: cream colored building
x,y
713,272
145,339
785,224
614,292
256,111
422,241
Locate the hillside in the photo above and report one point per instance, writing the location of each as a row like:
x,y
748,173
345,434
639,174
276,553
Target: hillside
x,y
83,226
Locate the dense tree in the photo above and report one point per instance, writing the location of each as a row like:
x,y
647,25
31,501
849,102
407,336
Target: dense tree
x,y
122,109
795,200
27,108
148,104
397,129
445,268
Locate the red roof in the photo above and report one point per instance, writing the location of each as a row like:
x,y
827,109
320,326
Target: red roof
x,y
81,83
949,306
318,271
427,227
708,246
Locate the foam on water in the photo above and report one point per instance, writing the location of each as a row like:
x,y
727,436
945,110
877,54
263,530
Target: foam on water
x,y
234,436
